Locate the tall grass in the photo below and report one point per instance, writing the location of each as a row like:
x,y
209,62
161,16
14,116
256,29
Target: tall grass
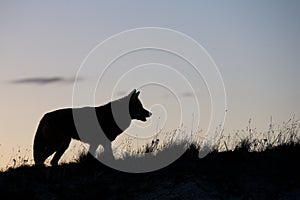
x,y
249,139
20,157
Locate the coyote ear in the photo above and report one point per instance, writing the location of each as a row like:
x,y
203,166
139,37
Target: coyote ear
x,y
137,94
132,93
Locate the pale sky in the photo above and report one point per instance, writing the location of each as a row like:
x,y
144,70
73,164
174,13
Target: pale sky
x,y
255,44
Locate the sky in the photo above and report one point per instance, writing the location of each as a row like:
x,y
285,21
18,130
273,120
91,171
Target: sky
x,y
254,44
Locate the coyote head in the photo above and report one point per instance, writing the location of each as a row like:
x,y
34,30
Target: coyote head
x,y
136,109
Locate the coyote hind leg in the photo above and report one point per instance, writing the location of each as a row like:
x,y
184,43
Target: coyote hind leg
x,y
41,151
60,151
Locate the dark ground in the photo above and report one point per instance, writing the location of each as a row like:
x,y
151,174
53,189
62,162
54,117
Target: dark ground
x,y
238,174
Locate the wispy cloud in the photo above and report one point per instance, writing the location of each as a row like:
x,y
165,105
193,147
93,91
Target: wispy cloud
x,y
182,95
121,93
46,80
187,94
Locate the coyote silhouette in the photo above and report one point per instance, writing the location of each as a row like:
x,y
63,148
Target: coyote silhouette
x,y
57,128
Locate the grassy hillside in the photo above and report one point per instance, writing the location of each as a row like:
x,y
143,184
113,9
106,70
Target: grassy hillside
x,y
251,168
239,174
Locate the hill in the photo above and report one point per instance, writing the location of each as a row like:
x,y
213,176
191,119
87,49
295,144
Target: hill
x,y
238,174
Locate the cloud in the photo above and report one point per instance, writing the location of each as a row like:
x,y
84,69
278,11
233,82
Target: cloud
x,y
45,80
121,93
181,95
187,94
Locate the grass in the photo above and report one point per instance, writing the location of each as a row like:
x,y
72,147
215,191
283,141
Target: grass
x,y
245,165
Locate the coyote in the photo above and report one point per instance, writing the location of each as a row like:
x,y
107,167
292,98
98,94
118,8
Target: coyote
x,y
57,128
